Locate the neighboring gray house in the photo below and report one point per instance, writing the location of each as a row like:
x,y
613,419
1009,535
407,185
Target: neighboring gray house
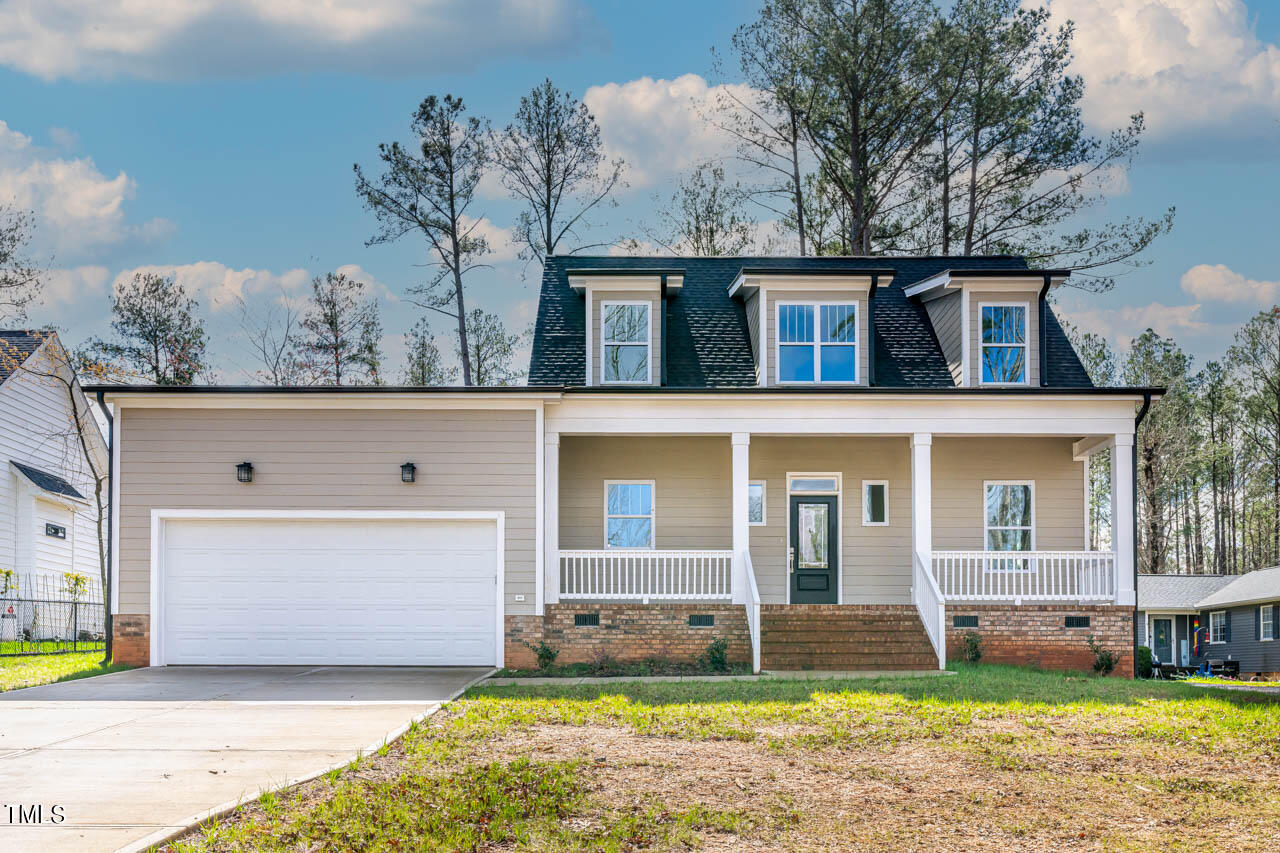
x,y
1167,612
1241,622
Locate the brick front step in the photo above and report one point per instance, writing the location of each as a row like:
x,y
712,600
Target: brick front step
x,y
844,637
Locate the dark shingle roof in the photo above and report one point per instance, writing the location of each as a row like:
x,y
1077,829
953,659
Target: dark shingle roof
x,y
51,483
15,347
708,344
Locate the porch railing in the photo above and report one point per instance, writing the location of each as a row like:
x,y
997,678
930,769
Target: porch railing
x,y
646,575
931,606
1025,575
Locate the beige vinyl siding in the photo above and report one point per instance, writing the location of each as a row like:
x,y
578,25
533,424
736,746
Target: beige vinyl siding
x,y
875,562
691,475
1032,300
946,316
828,296
597,330
961,465
327,459
752,307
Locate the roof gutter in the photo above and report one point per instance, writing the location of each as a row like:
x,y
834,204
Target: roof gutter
x,y
1044,319
1137,422
871,329
107,615
662,328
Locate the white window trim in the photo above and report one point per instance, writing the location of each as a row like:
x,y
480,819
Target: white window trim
x,y
866,505
986,540
605,343
1266,617
817,343
652,516
1026,343
764,504
1213,640
839,494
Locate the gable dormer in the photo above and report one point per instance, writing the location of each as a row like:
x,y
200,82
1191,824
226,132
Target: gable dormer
x,y
989,323
626,323
811,327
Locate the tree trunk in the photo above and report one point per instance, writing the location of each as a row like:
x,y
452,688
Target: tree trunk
x,y
946,187
795,180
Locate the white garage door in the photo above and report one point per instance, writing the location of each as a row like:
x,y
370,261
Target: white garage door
x,y
333,591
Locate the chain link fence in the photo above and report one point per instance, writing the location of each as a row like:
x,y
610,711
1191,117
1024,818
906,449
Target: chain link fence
x,y
46,613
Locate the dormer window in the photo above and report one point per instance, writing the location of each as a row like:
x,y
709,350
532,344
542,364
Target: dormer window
x,y
1004,343
817,342
625,343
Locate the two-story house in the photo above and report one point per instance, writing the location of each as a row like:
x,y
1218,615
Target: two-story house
x,y
832,463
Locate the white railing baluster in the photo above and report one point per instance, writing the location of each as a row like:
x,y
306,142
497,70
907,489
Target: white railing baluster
x,y
1024,575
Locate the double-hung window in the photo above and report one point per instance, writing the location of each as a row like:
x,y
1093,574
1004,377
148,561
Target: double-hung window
x,y
628,514
817,342
1218,626
624,343
1004,343
1009,510
1266,622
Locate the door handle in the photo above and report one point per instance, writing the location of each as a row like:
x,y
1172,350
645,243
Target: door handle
x,y
791,560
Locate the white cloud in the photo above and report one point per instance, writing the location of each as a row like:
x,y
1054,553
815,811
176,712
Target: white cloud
x,y
661,127
218,286
502,244
1219,283
161,39
65,287
77,207
1186,63
376,287
1125,322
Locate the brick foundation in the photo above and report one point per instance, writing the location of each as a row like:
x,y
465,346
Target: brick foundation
x,y
1035,635
131,639
627,632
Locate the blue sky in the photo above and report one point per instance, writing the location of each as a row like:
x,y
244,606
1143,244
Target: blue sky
x,y
215,141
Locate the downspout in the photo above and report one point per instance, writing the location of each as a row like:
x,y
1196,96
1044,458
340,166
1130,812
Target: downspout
x,y
871,330
107,615
1044,312
662,332
1137,422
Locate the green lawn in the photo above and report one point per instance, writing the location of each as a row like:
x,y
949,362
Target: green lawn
x,y
30,670
993,758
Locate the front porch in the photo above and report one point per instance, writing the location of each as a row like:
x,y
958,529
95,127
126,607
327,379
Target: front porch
x,y
877,526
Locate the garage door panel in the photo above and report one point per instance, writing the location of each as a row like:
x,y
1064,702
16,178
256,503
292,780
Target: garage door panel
x,y
272,591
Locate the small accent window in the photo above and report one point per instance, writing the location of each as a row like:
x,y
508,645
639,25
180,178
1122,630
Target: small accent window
x,y
812,485
624,342
1077,622
628,511
817,342
1218,626
875,502
1004,344
755,502
1267,624
964,621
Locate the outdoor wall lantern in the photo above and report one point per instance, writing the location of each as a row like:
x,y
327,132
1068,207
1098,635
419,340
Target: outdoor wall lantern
x,y
244,472
408,472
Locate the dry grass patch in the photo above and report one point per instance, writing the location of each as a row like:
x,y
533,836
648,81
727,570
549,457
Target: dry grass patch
x,y
992,758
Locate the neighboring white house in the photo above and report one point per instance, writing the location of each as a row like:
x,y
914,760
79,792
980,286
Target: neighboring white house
x,y
48,512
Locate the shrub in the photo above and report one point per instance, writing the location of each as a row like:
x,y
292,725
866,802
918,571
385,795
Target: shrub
x,y
1144,662
603,663
972,646
1104,660
716,657
544,652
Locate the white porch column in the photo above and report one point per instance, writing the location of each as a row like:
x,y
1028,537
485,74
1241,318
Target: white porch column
x,y
741,523
551,519
1122,504
922,496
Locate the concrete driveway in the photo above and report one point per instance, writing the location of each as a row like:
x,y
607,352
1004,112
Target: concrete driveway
x,y
133,756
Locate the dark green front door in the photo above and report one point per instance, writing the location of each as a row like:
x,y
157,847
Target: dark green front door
x,y
1162,640
814,552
